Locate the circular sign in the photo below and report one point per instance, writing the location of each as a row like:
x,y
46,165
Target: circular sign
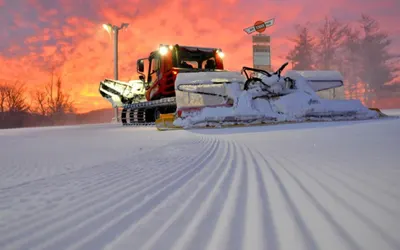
x,y
260,26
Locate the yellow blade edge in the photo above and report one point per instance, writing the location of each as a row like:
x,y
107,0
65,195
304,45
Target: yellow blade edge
x,y
166,122
381,114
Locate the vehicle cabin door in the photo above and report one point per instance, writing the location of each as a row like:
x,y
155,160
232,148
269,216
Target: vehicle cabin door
x,y
154,70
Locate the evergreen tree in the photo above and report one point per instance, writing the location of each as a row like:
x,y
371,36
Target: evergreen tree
x,y
301,55
378,64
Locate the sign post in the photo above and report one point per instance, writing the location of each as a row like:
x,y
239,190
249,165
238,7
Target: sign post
x,y
261,44
259,26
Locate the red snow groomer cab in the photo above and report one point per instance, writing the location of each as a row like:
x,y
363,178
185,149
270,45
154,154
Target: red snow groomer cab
x,y
166,62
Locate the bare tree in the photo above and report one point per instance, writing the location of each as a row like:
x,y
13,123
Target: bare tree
x,y
3,97
331,37
39,99
52,100
12,98
58,102
351,61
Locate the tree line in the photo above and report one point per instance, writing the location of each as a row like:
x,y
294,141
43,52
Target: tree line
x,y
47,106
362,54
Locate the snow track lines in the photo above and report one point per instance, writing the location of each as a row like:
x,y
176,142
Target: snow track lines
x,y
204,191
102,202
361,217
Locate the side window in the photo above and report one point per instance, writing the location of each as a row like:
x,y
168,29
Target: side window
x,y
154,67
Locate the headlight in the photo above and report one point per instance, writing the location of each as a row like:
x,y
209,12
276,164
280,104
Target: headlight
x,y
163,50
220,53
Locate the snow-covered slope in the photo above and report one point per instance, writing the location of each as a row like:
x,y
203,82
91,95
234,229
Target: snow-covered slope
x,y
298,186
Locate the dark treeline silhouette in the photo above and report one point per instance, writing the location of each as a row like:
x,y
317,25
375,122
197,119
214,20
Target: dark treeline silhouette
x,y
361,53
49,106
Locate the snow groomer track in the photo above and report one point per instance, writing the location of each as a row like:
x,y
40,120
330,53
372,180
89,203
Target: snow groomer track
x,y
296,186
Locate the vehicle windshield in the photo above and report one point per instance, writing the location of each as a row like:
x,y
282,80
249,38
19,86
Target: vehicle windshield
x,y
193,58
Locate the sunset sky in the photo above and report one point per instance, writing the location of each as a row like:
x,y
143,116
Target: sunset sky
x,y
36,35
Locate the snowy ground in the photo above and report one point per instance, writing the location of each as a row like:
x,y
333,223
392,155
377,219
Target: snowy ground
x,y
301,186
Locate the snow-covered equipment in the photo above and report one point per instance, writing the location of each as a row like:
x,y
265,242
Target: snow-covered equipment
x,y
119,92
259,97
186,86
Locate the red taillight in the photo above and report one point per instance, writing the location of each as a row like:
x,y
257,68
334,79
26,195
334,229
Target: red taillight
x,y
179,113
174,72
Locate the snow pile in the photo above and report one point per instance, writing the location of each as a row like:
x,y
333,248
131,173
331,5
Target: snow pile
x,y
299,104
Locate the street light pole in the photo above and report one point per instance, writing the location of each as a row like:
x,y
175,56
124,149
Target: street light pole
x,y
109,27
115,29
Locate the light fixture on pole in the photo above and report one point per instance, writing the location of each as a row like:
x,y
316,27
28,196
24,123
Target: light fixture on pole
x,y
113,28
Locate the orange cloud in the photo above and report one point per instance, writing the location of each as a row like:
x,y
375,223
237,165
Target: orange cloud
x,y
68,37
